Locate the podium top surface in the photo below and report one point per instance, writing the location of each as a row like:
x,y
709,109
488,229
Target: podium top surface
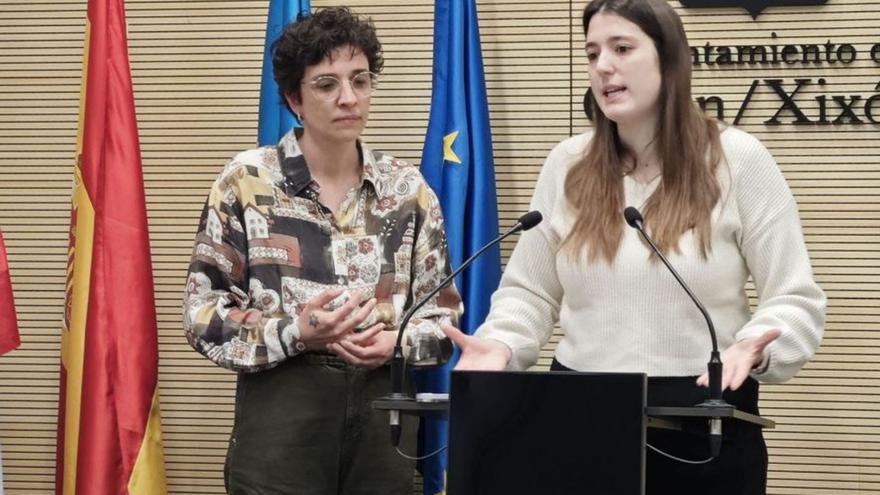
x,y
494,380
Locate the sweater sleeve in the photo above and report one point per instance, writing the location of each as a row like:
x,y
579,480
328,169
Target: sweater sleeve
x,y
525,308
773,246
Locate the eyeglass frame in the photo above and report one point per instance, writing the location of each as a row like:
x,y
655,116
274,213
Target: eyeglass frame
x,y
373,78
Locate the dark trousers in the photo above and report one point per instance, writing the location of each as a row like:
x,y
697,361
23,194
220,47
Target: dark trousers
x,y
306,427
741,468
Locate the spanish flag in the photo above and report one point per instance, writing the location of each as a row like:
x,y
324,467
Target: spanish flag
x,y
9,338
109,432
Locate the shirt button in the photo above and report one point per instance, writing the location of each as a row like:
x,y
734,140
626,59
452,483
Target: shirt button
x,y
300,346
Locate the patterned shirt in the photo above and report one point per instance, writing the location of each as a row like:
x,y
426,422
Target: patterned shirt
x,y
266,245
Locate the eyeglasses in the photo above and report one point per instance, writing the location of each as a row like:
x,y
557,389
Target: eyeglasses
x,y
329,87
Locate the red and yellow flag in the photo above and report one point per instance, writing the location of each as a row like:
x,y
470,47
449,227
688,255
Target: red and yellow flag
x,y
109,432
9,339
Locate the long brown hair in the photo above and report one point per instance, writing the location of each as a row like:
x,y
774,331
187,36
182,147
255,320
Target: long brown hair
x,y
687,143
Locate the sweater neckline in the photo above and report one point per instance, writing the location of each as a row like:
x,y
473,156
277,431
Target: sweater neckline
x,y
636,192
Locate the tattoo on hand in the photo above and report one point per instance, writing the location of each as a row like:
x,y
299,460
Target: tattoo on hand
x,y
313,320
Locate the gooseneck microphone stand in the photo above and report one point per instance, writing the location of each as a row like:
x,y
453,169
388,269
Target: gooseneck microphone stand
x,y
525,222
715,366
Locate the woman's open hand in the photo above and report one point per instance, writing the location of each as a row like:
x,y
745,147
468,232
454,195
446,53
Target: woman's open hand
x,y
740,358
477,353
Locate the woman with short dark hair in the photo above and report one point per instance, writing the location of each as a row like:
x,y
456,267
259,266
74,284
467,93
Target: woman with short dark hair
x,y
308,254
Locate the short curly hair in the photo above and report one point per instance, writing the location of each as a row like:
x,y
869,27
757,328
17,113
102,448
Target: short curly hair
x,y
311,38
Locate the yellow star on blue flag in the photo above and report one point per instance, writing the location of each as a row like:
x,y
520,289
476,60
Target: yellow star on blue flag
x,y
448,154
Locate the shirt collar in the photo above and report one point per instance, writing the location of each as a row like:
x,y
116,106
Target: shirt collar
x,y
296,171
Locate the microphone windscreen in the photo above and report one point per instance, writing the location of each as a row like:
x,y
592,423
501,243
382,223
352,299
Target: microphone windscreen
x,y
530,219
632,216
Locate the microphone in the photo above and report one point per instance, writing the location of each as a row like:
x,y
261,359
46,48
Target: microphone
x,y
525,222
634,220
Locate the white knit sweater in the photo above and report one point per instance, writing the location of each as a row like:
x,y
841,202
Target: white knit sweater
x,y
631,315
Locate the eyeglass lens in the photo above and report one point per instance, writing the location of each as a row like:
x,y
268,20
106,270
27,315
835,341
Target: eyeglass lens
x,y
329,87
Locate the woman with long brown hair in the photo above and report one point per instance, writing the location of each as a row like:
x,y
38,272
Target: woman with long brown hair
x,y
718,207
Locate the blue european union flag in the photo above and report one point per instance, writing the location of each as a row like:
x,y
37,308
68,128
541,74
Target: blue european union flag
x,y
275,119
457,164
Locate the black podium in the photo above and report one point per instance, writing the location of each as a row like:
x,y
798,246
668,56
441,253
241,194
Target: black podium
x,y
546,433
552,432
